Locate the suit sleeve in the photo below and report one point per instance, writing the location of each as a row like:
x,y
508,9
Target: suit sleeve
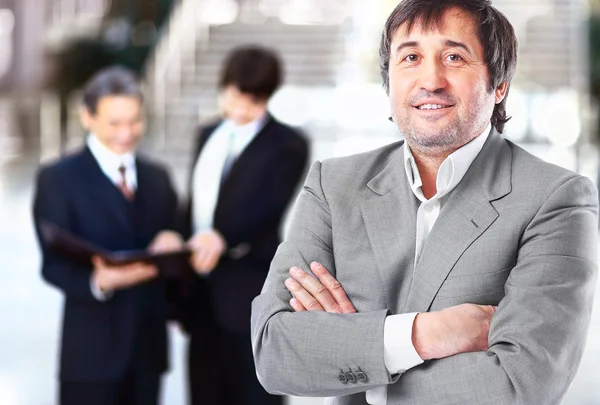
x,y
51,204
538,334
304,353
274,190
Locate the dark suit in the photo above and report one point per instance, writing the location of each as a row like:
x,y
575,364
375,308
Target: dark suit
x,y
249,211
111,349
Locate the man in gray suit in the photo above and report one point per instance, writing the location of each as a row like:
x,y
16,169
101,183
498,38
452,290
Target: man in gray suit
x,y
469,264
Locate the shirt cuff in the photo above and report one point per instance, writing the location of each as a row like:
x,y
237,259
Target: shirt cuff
x,y
398,351
97,292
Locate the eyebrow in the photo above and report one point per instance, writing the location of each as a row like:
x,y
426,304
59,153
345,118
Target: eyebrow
x,y
409,44
455,44
448,42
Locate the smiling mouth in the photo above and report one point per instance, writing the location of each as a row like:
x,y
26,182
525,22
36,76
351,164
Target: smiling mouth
x,y
428,107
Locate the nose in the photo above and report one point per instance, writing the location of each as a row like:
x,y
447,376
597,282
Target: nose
x,y
432,75
125,132
128,133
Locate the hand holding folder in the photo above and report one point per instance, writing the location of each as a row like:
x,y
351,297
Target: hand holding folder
x,y
170,264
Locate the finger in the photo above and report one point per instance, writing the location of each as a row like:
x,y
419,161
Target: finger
x,y
308,301
190,244
200,258
488,309
212,261
132,267
316,290
196,263
334,287
195,242
131,276
145,273
97,261
296,305
206,260
200,265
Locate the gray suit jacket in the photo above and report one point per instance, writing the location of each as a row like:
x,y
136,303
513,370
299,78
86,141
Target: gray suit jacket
x,y
516,232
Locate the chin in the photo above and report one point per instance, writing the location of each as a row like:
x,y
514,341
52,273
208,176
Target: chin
x,y
121,150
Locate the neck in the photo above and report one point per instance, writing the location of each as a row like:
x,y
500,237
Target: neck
x,y
429,160
428,167
428,163
109,149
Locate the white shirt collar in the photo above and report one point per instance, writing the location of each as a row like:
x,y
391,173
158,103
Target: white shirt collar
x,y
250,128
452,170
243,134
110,161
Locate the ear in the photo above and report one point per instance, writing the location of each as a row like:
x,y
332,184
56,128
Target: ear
x,y
85,117
501,92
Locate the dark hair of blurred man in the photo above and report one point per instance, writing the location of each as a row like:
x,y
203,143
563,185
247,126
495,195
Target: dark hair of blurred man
x,y
114,341
246,169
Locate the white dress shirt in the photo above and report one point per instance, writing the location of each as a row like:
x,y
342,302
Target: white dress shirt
x,y
399,352
109,163
228,139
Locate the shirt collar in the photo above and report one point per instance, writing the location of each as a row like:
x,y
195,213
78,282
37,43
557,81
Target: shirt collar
x,y
248,130
107,158
451,171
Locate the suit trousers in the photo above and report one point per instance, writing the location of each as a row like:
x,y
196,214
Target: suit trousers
x,y
139,386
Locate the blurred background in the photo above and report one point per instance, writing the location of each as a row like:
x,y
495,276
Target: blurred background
x,y
49,48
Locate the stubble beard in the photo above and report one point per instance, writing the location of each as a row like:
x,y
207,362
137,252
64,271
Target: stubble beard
x,y
435,141
431,141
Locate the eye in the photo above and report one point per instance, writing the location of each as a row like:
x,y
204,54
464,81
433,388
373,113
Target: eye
x,y
454,58
411,58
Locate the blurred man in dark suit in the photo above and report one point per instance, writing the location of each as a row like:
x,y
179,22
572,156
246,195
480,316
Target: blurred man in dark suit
x,y
246,169
114,339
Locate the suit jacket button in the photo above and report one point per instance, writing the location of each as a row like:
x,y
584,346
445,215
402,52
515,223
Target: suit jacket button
x,y
351,377
342,378
362,377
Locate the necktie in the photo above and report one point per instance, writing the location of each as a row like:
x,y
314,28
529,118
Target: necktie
x,y
127,192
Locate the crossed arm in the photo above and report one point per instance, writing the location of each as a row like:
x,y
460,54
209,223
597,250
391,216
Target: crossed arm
x,y
435,335
536,337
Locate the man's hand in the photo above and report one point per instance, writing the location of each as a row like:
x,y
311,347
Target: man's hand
x,y
208,248
166,241
111,278
459,329
323,293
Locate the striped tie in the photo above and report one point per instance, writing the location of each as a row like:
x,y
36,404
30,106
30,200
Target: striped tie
x,y
127,192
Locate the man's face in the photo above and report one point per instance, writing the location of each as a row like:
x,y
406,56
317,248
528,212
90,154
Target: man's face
x,y
439,84
118,122
240,107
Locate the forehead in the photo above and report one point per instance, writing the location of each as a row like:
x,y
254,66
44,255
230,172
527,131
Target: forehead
x,y
453,24
118,105
233,93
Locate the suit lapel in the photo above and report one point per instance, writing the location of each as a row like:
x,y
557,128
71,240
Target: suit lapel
x,y
248,158
390,220
108,199
144,198
465,216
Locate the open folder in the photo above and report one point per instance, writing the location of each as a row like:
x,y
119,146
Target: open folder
x,y
170,264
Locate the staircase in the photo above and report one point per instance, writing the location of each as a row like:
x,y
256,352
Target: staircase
x,y
311,56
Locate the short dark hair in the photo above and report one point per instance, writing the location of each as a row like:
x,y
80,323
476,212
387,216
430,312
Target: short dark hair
x,y
496,35
253,70
112,81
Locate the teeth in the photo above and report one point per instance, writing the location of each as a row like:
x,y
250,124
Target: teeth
x,y
431,107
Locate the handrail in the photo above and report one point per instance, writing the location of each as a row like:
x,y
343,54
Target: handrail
x,y
177,44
